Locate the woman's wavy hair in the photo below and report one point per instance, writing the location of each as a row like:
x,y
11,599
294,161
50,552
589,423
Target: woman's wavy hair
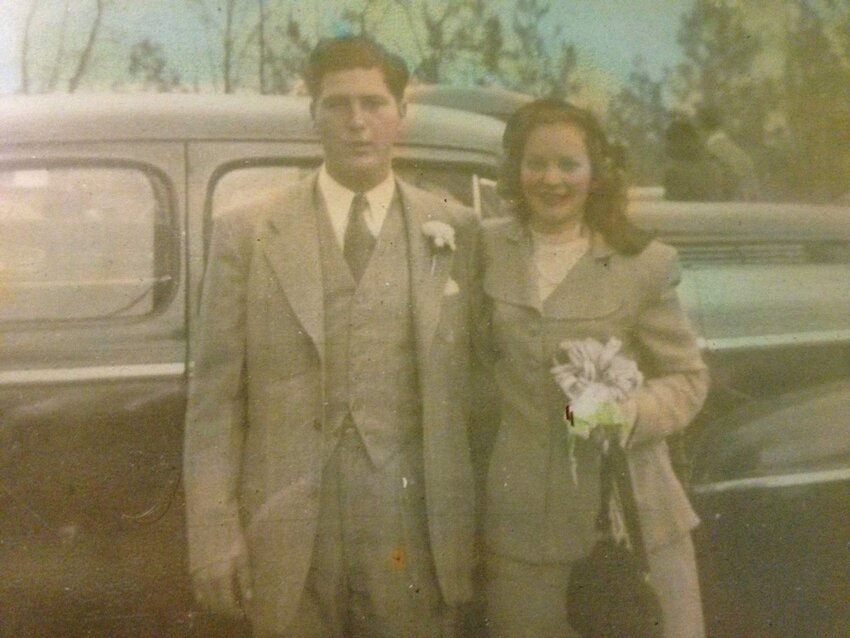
x,y
605,209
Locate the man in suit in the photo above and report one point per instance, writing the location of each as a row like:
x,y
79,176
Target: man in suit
x,y
328,480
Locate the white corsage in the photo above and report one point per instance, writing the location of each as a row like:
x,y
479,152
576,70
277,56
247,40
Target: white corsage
x,y
595,378
442,239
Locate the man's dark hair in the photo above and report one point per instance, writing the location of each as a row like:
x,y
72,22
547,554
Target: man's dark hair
x,y
354,52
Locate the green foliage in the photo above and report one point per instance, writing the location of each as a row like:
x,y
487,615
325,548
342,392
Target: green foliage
x,y
816,101
720,50
637,117
531,64
779,69
149,65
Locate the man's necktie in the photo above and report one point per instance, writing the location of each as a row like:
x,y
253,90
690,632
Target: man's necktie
x,y
358,241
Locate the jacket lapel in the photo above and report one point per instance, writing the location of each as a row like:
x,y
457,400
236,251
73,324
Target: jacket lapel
x,y
510,277
291,244
429,271
588,290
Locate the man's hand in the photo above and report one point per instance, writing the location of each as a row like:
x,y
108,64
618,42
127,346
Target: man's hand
x,y
224,586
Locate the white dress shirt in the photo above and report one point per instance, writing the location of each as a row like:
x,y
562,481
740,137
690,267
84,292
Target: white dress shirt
x,y
338,200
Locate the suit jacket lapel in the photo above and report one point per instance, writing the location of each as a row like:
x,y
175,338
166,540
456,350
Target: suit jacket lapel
x,y
291,245
587,290
429,271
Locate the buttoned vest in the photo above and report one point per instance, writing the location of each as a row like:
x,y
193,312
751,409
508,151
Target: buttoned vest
x,y
370,371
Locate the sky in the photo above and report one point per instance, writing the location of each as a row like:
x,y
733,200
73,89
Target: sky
x,y
608,34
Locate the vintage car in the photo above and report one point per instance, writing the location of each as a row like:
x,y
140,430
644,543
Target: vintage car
x,y
106,203
493,101
768,287
106,207
772,486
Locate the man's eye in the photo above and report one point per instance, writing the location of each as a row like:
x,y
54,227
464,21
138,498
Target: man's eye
x,y
373,103
334,103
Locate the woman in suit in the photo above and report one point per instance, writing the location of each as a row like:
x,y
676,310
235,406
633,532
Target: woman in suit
x,y
569,265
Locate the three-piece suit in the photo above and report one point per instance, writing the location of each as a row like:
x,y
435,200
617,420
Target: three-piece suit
x,y
313,392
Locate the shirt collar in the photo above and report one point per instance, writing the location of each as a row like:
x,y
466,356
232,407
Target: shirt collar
x,y
338,199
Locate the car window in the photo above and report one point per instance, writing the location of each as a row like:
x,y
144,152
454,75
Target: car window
x,y
240,185
460,184
82,242
802,432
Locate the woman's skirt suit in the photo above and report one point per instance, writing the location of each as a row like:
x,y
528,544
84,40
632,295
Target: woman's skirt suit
x,y
538,517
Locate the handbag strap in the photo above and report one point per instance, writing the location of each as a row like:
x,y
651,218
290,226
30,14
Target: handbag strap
x,y
615,468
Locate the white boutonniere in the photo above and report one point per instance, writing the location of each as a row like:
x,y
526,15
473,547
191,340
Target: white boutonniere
x,y
441,237
451,288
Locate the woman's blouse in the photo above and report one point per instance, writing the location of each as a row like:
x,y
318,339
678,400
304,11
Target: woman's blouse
x,y
554,259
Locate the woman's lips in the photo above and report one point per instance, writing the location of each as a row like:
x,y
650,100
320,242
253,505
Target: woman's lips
x,y
552,199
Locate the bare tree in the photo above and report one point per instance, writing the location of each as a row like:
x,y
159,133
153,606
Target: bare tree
x,y
450,34
148,64
534,69
287,53
637,117
261,43
25,46
227,32
41,74
53,80
450,38
85,56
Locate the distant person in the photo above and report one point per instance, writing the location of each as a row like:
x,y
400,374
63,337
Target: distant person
x,y
691,173
777,158
719,145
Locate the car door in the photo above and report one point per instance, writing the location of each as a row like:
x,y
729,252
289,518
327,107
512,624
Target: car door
x,y
92,386
225,174
772,486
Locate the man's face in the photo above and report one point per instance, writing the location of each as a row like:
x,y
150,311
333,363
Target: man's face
x,y
358,120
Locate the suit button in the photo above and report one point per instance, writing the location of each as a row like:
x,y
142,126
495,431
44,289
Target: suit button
x,y
317,424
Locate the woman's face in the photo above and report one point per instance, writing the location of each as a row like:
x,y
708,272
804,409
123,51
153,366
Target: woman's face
x,y
555,176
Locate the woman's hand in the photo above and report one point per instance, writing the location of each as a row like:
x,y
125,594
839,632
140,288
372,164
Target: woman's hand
x,y
609,420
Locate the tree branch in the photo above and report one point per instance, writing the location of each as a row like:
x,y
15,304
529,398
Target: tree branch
x,y
85,56
25,47
53,80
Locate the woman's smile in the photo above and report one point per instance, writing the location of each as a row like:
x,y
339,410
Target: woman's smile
x,y
555,176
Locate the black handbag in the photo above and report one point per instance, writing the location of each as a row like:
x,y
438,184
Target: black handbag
x,y
608,593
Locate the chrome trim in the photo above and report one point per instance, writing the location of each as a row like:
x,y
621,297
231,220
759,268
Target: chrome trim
x,y
127,281
476,195
771,341
782,480
92,373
